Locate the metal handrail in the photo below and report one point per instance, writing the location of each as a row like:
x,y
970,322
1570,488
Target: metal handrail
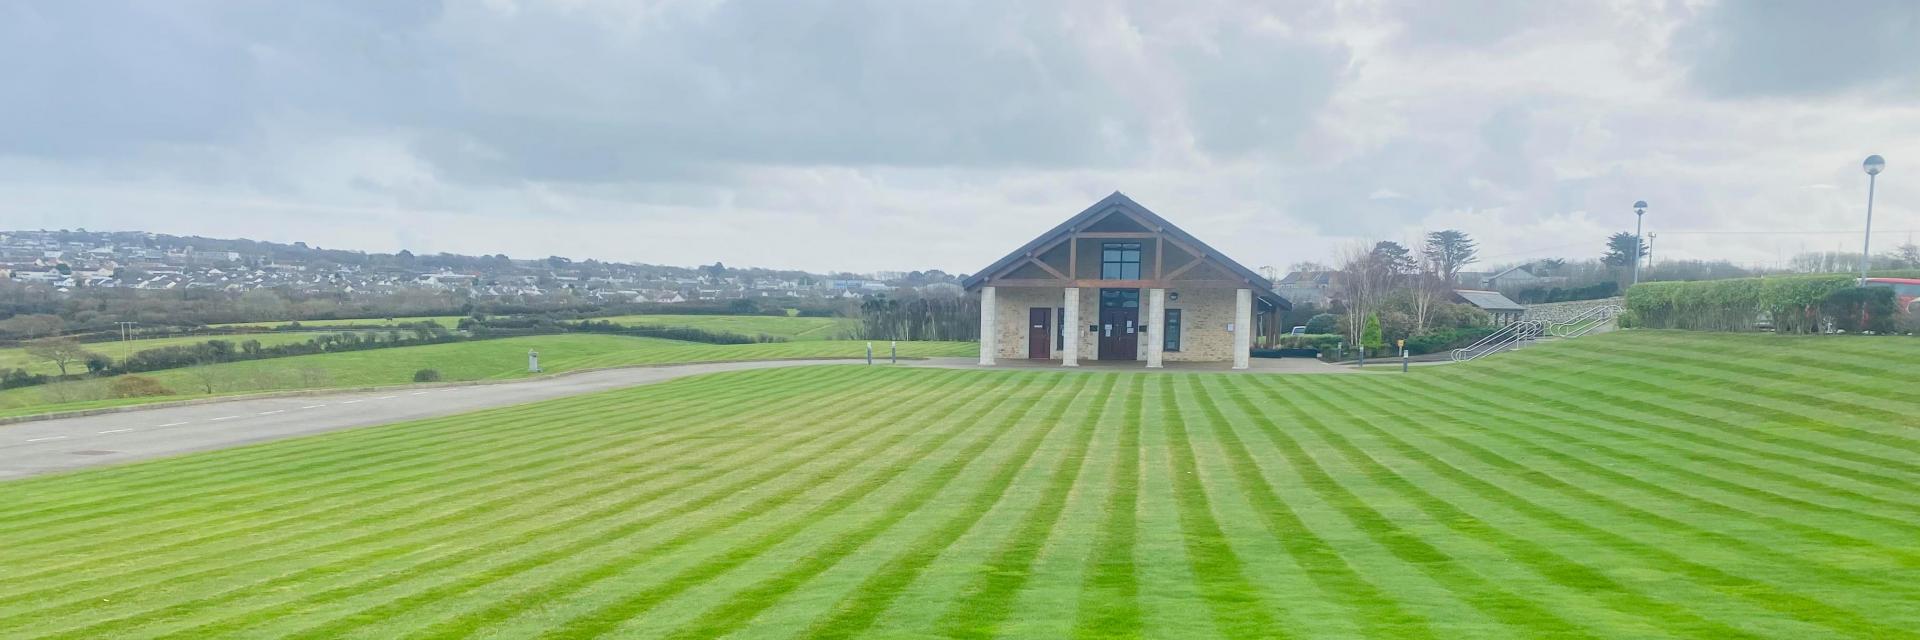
x,y
1585,322
1508,337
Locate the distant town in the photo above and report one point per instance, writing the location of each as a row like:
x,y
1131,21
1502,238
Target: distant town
x,y
67,260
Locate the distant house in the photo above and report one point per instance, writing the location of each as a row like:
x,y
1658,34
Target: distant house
x,y
1318,288
1512,278
1503,310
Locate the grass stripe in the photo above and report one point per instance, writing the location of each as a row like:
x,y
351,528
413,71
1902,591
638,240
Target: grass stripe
x,y
1508,435
1677,617
1520,614
857,612
1110,596
1709,445
606,618
1238,608
984,603
505,607
549,528
1379,613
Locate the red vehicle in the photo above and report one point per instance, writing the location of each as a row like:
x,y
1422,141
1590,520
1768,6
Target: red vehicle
x,y
1906,292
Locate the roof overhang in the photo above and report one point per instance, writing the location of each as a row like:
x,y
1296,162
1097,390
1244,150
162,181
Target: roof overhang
x,y
1119,203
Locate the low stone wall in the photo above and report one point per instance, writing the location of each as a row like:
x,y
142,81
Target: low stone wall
x,y
1553,312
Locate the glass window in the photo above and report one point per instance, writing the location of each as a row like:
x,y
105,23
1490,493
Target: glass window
x,y
1172,342
1120,298
1120,261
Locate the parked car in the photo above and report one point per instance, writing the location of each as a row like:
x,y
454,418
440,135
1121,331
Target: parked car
x,y
1906,292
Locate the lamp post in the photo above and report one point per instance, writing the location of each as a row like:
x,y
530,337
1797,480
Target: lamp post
x,y
1873,165
1639,244
1651,236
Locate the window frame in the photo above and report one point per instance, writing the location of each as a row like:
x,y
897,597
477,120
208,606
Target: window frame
x,y
1114,262
1170,331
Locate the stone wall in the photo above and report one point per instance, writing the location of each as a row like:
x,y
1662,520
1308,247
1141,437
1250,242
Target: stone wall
x,y
1010,319
1552,312
1205,314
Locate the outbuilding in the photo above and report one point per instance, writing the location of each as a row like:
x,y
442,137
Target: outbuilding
x,y
1118,282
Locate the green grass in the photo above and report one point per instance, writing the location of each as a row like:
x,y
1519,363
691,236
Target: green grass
x,y
789,327
445,321
1638,484
476,360
16,357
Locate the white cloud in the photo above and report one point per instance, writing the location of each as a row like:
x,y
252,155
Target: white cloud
x,y
829,135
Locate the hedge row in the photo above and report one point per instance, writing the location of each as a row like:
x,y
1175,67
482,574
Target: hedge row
x,y
1792,304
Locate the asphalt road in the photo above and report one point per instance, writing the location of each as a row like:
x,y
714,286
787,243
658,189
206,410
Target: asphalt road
x,y
33,448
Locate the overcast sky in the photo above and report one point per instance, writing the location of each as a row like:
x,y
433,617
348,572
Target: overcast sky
x,y
913,135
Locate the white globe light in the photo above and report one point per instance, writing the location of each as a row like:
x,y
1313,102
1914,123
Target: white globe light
x,y
1874,164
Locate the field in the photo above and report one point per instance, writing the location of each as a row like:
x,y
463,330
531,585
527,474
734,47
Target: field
x,y
476,360
16,357
445,321
789,327
1637,484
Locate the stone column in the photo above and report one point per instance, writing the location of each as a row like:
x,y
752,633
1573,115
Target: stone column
x,y
989,331
1156,326
1070,329
1242,327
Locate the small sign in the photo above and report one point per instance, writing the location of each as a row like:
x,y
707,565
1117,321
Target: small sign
x,y
1229,327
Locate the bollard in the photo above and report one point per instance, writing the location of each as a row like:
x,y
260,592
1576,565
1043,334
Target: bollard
x,y
893,352
869,354
1363,356
1403,361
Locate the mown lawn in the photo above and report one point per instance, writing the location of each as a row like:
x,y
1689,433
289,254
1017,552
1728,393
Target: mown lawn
x,y
1629,485
789,327
475,360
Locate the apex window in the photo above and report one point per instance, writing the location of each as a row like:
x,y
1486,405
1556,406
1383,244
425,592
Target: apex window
x,y
1120,261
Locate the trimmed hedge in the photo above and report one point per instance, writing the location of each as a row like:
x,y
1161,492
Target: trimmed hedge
x,y
1792,304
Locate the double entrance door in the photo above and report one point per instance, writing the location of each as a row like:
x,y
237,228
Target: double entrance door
x,y
1119,324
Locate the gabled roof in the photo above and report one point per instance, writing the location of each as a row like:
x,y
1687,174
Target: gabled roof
x,y
1488,300
1509,271
1117,200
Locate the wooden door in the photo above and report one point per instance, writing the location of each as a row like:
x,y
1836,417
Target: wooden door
x,y
1119,329
1040,333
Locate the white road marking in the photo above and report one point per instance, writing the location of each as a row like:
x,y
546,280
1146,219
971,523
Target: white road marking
x,y
351,402
418,393
116,431
386,397
221,418
46,438
268,413
313,406
173,424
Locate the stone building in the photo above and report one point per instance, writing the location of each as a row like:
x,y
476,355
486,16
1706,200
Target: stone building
x,y
1118,282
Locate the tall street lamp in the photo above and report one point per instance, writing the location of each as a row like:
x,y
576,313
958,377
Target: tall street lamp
x,y
1639,244
1873,165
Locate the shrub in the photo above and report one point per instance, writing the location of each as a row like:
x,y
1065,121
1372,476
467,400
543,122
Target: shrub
x,y
137,387
426,375
1447,339
1324,323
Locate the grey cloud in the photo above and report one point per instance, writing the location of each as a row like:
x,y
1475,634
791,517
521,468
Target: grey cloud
x,y
562,92
1804,48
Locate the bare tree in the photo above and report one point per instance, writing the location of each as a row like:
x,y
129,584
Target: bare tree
x,y
60,351
1428,288
1365,276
